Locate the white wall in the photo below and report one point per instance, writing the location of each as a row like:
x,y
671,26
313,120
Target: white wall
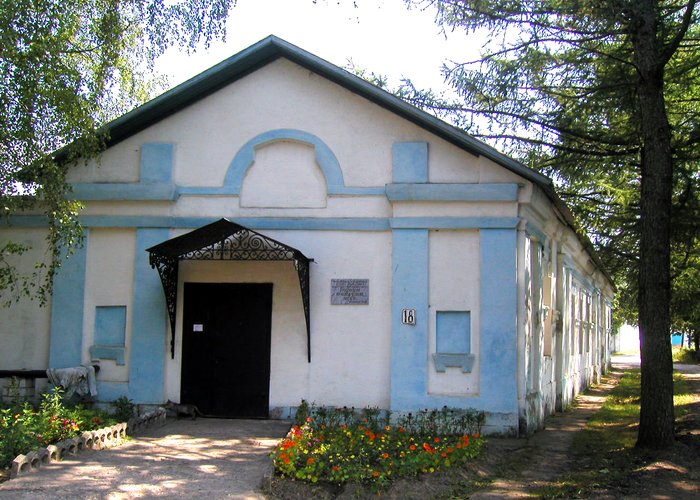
x,y
109,279
350,345
454,286
24,326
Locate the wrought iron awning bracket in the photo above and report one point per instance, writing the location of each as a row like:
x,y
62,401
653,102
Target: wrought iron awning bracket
x,y
168,268
225,240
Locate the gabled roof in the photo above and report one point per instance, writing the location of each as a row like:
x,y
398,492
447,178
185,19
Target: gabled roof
x,y
272,48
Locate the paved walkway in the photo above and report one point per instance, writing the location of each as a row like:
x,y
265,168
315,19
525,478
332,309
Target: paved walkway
x,y
205,458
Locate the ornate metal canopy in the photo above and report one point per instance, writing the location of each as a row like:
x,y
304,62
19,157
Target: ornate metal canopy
x,y
224,240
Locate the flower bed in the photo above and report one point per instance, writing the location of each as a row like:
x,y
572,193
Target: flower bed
x,y
341,445
23,428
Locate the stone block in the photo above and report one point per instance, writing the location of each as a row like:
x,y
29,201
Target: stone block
x,y
20,466
54,453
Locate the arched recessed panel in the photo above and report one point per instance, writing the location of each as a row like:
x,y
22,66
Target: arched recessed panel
x,y
285,174
246,156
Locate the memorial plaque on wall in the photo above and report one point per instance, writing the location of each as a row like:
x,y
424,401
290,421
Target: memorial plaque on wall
x,y
349,292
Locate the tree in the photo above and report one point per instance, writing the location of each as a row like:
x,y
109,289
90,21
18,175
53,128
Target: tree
x,y
601,95
66,68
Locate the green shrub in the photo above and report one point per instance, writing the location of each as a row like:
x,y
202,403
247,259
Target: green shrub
x,y
124,409
22,428
344,445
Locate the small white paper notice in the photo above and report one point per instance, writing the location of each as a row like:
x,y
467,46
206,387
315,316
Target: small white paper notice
x,y
197,327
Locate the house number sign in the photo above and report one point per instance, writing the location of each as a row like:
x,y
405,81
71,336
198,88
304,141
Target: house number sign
x,y
349,292
408,316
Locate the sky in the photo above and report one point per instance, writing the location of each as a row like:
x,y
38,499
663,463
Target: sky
x,y
381,36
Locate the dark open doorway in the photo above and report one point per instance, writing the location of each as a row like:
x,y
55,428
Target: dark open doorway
x,y
226,348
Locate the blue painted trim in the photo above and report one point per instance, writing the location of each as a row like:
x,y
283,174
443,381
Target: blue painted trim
x,y
498,318
246,156
231,191
409,343
286,223
67,307
115,352
453,222
410,161
157,163
149,328
452,192
123,191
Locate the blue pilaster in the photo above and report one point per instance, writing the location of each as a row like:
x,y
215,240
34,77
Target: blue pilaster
x,y
148,331
409,343
68,303
499,305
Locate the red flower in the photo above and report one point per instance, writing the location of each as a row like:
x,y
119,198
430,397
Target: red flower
x,y
375,474
412,447
437,439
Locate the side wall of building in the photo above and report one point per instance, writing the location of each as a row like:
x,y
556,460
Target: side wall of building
x,y
565,315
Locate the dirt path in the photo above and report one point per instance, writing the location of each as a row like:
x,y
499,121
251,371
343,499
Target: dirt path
x,y
545,456
206,458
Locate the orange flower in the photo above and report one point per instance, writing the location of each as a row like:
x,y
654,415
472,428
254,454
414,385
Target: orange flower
x,y
336,468
375,474
437,439
401,429
444,455
311,461
385,455
412,447
309,419
450,449
286,460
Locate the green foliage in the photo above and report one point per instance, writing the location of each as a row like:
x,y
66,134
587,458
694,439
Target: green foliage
x,y
124,409
23,428
339,445
66,68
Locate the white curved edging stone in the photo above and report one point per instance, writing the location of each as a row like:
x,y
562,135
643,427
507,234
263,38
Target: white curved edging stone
x,y
99,439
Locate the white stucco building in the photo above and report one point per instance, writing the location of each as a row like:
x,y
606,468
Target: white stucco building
x,y
371,255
